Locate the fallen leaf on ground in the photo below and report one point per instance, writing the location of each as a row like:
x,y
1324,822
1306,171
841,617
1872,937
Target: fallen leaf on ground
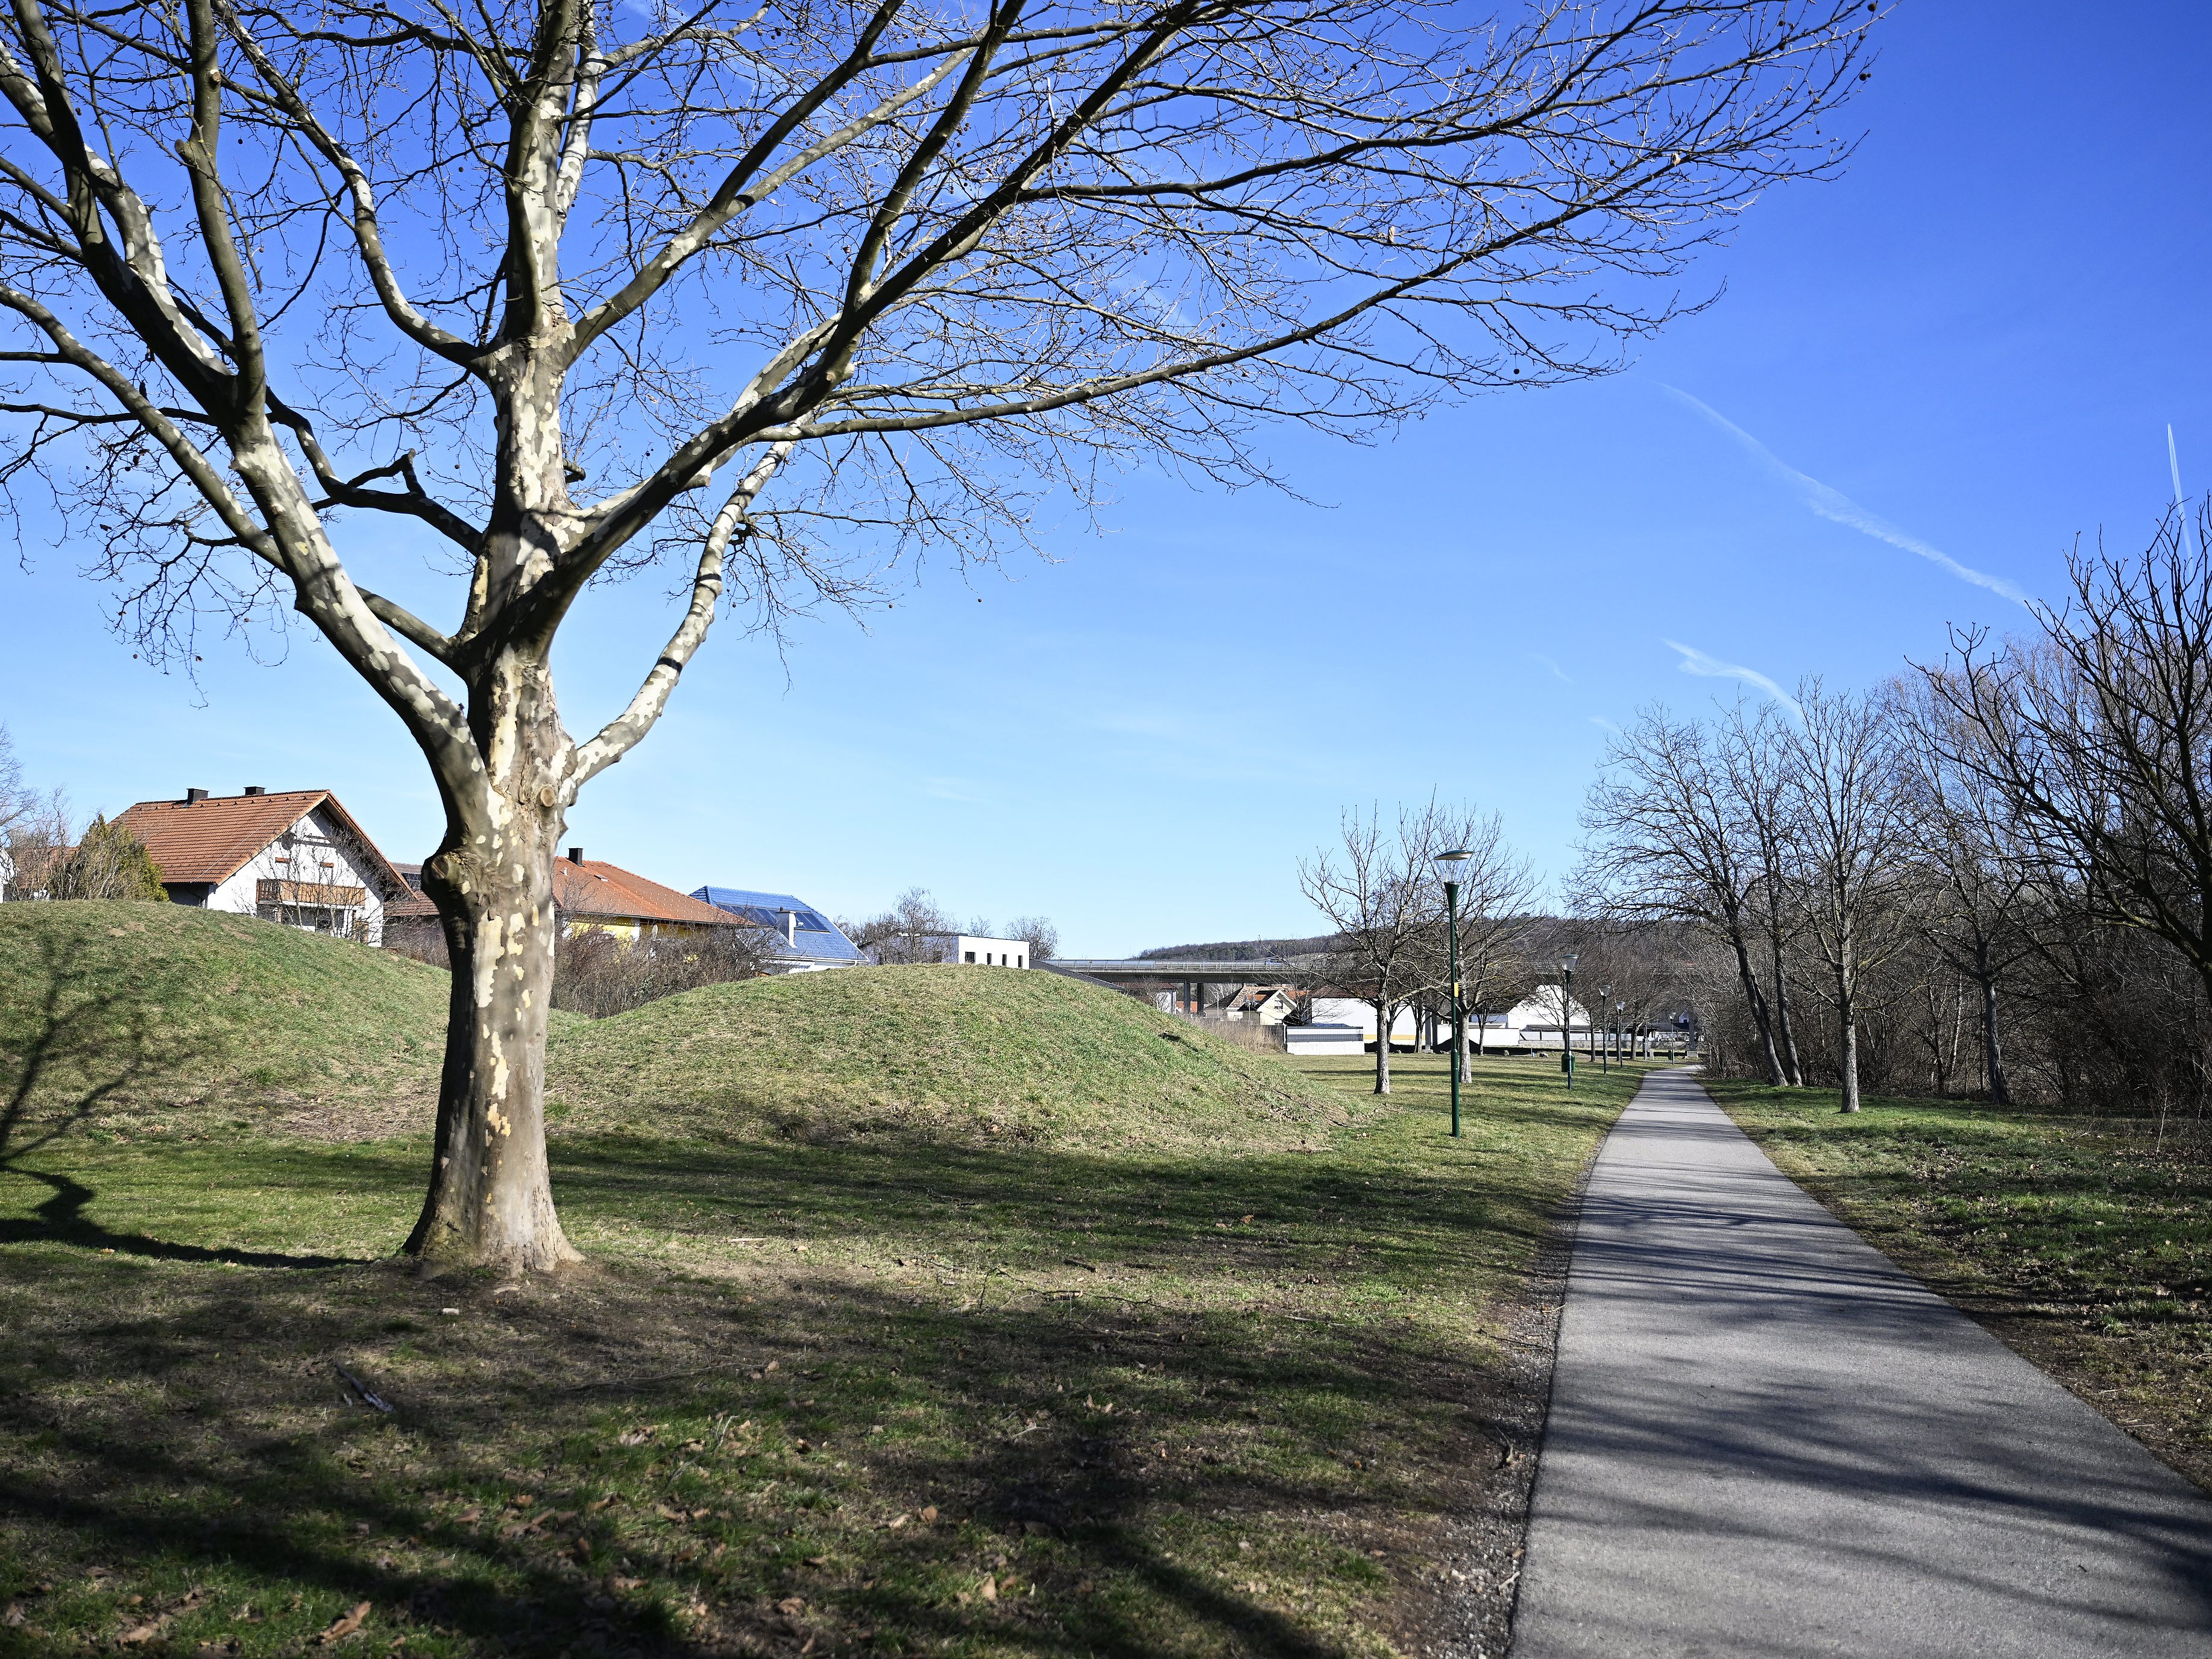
x,y
791,1605
345,1626
929,1512
988,1589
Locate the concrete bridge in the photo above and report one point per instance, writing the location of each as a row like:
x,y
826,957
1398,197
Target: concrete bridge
x,y
1189,977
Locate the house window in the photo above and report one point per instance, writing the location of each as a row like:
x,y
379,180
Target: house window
x,y
971,956
1019,963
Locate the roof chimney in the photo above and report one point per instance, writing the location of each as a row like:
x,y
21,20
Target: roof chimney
x,y
575,855
256,789
194,797
791,928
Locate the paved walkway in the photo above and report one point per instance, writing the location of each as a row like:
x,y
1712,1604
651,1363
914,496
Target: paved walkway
x,y
1765,1440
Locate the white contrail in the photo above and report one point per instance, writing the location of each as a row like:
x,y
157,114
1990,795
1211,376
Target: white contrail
x,y
1558,672
2181,501
1695,661
1833,504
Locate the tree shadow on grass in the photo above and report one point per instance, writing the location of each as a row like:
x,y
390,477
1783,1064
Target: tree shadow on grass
x,y
1075,1506
1112,1445
81,1042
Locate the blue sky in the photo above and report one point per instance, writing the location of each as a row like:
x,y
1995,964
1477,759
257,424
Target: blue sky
x,y
1964,354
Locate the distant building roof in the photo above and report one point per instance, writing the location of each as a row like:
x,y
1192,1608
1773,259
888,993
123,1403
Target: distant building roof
x,y
592,887
211,839
414,904
814,936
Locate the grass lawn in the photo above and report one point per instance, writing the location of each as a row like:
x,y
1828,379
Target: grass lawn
x,y
878,1390
2084,1245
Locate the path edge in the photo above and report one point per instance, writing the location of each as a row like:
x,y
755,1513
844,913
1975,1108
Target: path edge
x,y
1484,1548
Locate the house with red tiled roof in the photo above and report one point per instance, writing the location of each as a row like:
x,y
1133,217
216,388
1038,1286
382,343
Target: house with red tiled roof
x,y
588,894
295,857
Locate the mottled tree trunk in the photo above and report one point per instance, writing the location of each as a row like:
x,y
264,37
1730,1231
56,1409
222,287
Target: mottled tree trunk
x,y
490,1200
1383,1013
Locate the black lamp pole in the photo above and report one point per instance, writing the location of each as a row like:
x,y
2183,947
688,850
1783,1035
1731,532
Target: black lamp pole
x,y
1450,861
1567,1017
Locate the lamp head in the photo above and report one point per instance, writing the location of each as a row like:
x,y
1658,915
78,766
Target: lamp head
x,y
1567,962
1457,856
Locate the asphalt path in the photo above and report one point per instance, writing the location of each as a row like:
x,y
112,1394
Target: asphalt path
x,y
1766,1441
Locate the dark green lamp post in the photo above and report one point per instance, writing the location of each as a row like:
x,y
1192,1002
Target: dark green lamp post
x,y
1567,1015
1451,862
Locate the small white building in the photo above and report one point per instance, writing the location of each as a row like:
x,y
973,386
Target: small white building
x,y
1532,1022
966,950
1352,1010
1306,1041
295,857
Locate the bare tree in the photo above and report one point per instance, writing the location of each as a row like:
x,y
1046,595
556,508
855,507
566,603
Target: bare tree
x,y
914,930
2097,739
1497,896
1752,753
1848,823
16,800
1382,892
598,974
277,274
1982,905
1667,841
1039,934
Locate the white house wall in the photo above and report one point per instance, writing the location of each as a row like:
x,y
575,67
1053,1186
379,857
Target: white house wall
x,y
1351,1010
346,867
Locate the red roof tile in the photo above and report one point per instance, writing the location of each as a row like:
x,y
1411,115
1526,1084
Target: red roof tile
x,y
597,889
213,840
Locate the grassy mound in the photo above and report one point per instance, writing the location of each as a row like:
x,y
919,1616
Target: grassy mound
x,y
117,1010
949,1052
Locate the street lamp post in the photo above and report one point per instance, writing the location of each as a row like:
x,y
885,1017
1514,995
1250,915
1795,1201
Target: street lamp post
x,y
1452,861
1567,1015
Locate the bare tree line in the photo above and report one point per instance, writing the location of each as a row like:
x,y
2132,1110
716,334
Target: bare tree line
x,y
46,852
1990,876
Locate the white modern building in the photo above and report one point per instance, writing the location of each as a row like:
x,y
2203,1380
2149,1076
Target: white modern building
x,y
966,949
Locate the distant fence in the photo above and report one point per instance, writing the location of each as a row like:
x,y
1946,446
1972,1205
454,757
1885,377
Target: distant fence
x,y
1244,1033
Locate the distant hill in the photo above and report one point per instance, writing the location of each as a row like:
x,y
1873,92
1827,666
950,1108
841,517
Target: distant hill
x,y
1243,949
